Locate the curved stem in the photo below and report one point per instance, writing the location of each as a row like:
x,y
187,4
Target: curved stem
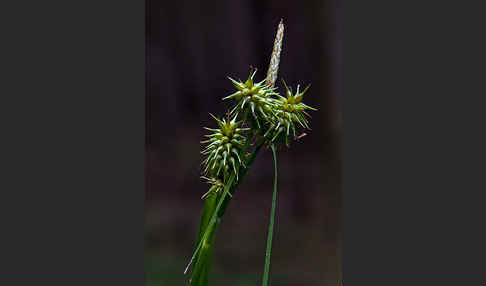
x,y
272,219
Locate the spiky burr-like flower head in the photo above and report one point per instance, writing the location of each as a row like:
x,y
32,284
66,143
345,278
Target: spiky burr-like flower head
x,y
289,111
254,97
224,148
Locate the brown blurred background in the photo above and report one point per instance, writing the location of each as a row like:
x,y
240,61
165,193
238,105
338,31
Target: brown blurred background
x,y
191,47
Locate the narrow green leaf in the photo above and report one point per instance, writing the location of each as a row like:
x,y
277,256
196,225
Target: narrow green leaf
x,y
207,232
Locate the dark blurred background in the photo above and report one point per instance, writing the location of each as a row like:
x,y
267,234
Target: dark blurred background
x,y
191,47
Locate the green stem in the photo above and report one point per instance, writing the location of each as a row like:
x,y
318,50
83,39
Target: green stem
x,y
202,267
272,219
205,243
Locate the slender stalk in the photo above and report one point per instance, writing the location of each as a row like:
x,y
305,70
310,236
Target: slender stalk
x,y
272,219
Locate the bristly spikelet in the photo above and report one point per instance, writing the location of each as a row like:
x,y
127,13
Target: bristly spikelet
x,y
216,186
289,111
224,149
254,97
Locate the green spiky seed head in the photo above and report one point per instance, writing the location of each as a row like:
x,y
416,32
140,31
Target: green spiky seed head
x,y
290,113
223,152
254,97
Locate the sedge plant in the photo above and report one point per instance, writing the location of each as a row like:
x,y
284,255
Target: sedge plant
x,y
260,116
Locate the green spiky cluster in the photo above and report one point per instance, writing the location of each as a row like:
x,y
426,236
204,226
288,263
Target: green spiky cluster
x,y
255,97
223,149
278,114
272,114
288,111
